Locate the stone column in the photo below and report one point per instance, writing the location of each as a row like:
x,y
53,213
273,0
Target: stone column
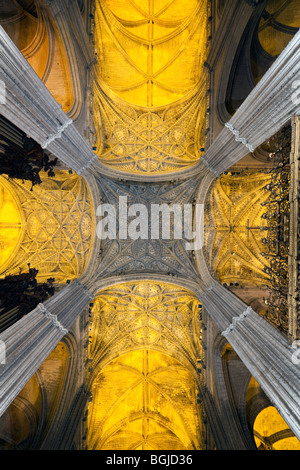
x,y
29,341
28,104
268,108
263,349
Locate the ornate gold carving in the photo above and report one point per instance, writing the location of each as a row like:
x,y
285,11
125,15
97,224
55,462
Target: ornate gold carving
x,y
294,238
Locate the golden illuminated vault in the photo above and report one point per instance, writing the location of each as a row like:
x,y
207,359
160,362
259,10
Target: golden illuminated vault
x,y
40,41
272,433
21,421
57,228
145,343
276,27
150,102
150,84
235,229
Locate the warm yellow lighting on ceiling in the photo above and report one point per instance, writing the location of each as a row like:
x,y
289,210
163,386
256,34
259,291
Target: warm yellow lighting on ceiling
x,y
151,52
234,228
272,433
145,342
57,230
10,223
150,84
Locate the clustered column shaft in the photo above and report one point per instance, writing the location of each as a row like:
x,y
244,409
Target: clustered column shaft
x,y
29,341
263,349
263,113
29,105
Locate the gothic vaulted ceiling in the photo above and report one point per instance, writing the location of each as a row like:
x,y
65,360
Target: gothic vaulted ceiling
x,y
50,227
144,355
150,85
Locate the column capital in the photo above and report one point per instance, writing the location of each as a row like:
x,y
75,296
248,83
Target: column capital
x,y
29,105
29,341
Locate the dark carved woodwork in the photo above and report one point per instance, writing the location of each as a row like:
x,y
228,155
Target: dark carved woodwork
x,y
20,294
24,163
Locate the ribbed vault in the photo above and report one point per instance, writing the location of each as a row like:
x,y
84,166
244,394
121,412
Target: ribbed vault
x,y
150,85
280,21
144,253
10,223
272,433
145,337
144,400
235,228
37,36
144,351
